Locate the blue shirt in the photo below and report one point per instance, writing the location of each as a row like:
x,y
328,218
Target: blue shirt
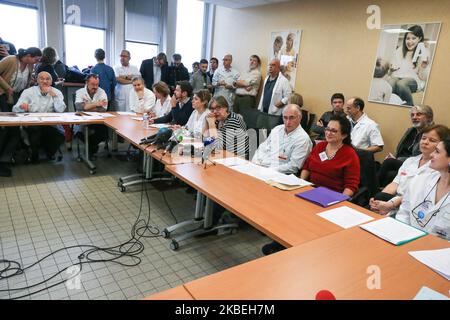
x,y
107,78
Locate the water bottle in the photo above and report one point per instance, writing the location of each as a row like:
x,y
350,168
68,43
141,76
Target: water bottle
x,y
145,124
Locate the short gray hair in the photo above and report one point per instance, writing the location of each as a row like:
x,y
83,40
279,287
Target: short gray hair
x,y
425,109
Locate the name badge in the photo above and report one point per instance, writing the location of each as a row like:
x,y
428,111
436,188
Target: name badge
x,y
423,209
323,156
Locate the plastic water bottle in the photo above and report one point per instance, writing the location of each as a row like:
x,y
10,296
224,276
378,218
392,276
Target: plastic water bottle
x,y
145,121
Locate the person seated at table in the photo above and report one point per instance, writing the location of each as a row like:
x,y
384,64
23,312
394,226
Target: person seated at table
x,y
142,100
181,103
337,108
162,106
333,164
426,203
421,117
92,98
196,122
388,201
42,99
227,127
230,133
287,146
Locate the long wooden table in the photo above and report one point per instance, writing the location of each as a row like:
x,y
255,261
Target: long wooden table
x,y
345,263
279,214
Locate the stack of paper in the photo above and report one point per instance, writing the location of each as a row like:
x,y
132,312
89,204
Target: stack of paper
x,y
258,172
393,231
232,161
438,260
123,113
345,217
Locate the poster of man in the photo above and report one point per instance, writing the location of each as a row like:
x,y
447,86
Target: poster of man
x,y
285,46
403,63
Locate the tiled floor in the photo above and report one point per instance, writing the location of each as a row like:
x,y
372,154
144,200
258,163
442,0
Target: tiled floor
x,y
49,206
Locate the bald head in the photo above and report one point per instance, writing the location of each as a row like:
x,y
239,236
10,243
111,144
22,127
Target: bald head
x,y
44,79
274,68
292,115
227,60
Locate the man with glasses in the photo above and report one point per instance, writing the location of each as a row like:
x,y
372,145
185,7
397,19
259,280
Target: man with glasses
x,y
287,146
94,99
155,70
42,98
421,117
223,80
124,73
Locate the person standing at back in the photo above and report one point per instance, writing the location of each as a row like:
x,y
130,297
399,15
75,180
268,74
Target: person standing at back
x,y
106,76
124,73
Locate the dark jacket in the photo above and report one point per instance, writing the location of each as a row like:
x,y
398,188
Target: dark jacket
x,y
177,115
409,144
178,74
148,76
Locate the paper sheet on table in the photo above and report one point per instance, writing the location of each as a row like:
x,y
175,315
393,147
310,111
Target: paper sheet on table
x,y
28,119
137,118
9,119
393,231
345,217
291,180
428,294
438,260
39,115
159,125
230,162
99,114
123,113
258,172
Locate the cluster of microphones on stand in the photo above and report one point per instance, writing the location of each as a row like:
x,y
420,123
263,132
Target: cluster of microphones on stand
x,y
167,139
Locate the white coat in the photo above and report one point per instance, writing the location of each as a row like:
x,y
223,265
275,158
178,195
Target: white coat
x,y
281,92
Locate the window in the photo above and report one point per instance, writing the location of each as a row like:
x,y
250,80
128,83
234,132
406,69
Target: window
x,y
143,28
189,36
20,36
85,27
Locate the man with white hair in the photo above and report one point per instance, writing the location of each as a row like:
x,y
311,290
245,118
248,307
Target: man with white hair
x,y
42,98
276,90
287,146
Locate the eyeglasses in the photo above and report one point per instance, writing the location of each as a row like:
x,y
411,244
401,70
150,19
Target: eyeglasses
x,y
216,109
331,130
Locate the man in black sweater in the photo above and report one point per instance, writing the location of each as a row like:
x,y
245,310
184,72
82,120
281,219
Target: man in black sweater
x,y
178,72
181,106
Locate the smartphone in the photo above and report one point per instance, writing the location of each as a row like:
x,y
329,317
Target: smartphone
x,y
420,50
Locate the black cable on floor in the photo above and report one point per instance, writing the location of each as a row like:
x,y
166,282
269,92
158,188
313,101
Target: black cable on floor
x,y
129,249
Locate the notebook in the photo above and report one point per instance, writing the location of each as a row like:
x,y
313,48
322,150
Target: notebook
x,y
323,196
393,231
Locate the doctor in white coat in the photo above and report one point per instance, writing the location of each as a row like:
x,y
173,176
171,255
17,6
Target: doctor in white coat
x,y
276,91
426,203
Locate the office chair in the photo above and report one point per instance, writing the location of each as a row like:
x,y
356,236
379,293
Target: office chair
x,y
250,116
368,185
305,120
311,121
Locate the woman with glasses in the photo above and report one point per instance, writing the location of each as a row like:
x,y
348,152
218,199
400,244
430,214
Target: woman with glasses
x,y
388,201
426,203
334,163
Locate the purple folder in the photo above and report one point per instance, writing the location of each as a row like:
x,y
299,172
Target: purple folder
x,y
323,196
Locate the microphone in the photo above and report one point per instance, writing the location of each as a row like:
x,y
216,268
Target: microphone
x,y
162,138
174,140
209,146
325,295
149,139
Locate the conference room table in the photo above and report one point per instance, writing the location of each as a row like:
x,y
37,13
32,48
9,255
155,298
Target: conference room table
x,y
351,264
52,119
279,214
